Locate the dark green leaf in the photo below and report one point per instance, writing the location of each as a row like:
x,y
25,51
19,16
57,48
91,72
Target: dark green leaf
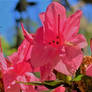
x,y
78,78
30,83
48,84
37,74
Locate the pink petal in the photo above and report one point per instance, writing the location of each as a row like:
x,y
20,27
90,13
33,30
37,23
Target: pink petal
x,y
24,51
71,60
43,54
23,54
39,36
3,63
41,89
89,70
26,34
30,77
13,72
51,17
25,88
13,58
59,89
46,72
8,78
72,25
42,17
13,88
55,16
79,40
19,68
61,67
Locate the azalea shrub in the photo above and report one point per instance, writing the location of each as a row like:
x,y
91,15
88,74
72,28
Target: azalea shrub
x,y
50,60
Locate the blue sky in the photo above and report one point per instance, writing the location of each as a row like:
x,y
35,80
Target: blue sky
x,y
87,9
6,17
7,14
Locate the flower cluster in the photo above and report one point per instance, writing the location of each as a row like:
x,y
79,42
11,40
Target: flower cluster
x,y
56,45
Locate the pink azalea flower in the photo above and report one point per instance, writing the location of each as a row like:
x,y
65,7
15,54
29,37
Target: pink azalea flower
x,y
16,71
23,53
89,68
57,44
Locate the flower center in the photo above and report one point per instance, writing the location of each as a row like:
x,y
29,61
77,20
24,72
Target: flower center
x,y
55,43
59,39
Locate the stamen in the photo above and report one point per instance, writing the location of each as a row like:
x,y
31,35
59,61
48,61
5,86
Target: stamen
x,y
53,41
36,87
57,42
49,42
57,37
59,27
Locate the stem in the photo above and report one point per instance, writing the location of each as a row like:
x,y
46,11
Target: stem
x,y
68,5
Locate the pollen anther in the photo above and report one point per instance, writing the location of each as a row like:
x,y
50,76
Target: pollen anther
x,y
49,42
57,42
57,37
53,41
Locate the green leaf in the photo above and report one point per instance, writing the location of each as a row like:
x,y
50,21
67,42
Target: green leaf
x,y
30,83
37,74
48,84
53,84
78,78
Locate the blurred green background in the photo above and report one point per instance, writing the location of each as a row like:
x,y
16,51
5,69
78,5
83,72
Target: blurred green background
x,y
14,11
